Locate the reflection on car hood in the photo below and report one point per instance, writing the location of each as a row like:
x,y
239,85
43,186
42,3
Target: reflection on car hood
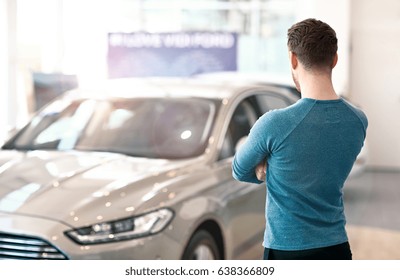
x,y
77,187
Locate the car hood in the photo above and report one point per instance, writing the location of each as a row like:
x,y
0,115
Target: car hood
x,y
79,188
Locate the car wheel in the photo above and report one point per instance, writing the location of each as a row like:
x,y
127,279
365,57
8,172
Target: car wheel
x,y
201,246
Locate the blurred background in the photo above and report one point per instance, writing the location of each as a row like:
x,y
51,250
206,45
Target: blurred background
x,y
50,46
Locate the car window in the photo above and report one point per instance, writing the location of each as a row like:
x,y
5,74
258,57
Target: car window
x,y
270,101
170,128
240,124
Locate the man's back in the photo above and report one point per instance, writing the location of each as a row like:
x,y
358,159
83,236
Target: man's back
x,y
311,149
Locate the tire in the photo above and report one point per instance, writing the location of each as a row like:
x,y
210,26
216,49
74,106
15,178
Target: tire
x,y
201,246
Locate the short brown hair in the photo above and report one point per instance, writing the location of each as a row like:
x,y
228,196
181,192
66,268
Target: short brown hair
x,y
314,42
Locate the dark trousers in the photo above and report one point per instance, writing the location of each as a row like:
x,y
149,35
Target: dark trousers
x,y
336,252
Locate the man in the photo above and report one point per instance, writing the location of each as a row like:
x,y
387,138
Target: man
x,y
306,152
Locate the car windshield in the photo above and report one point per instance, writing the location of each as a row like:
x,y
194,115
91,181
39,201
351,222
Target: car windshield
x,y
170,128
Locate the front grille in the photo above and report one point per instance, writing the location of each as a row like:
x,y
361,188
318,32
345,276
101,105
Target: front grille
x,y
27,248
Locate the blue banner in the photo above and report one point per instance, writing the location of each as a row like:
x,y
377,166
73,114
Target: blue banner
x,y
170,54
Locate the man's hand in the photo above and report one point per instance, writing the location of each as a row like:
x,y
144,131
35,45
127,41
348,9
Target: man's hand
x,y
261,170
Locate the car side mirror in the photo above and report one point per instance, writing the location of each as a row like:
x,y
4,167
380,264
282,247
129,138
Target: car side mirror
x,y
240,143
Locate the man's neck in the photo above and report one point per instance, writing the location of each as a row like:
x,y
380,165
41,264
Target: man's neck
x,y
318,87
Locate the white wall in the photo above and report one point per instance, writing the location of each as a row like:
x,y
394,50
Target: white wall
x,y
3,69
375,76
8,83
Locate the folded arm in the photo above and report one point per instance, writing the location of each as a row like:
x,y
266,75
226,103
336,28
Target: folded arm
x,y
249,163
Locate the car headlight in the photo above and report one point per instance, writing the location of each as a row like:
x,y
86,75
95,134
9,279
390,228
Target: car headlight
x,y
123,229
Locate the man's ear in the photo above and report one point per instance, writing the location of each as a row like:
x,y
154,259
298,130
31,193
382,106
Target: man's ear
x,y
335,60
293,60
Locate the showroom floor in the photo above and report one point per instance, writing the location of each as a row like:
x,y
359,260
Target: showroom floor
x,y
372,203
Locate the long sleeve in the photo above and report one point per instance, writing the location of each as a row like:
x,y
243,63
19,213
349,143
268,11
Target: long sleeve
x,y
251,153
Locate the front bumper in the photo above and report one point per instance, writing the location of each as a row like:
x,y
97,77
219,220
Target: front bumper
x,y
47,236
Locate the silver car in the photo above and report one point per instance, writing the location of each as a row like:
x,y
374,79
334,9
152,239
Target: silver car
x,y
136,169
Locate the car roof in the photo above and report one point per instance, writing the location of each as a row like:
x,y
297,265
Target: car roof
x,y
199,86
254,77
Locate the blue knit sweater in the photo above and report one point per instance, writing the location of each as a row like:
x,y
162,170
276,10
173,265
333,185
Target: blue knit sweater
x,y
310,148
